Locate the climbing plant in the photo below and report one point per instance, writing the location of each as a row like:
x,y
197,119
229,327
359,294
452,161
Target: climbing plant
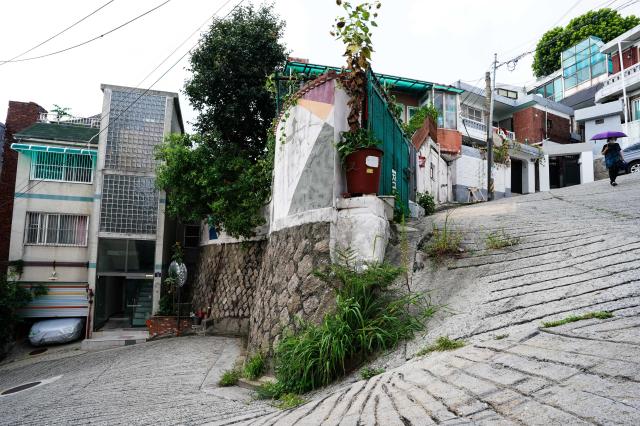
x,y
354,30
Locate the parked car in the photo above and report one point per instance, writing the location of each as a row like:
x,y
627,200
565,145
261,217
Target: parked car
x,y
56,331
631,155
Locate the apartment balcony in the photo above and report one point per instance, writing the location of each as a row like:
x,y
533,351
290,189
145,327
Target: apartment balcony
x,y
477,130
69,119
612,87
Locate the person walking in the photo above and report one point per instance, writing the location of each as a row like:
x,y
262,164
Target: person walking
x,y
612,159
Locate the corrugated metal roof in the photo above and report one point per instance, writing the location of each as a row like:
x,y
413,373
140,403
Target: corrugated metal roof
x,y
61,300
59,132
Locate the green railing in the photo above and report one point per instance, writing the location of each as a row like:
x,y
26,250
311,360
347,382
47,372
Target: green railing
x,y
398,162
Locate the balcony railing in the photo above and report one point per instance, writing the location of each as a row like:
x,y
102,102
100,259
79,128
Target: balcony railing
x,y
612,87
69,119
479,130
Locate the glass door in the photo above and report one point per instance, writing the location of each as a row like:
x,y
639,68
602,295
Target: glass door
x,y
139,300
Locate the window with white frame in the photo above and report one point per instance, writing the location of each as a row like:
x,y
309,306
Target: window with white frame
x,y
191,236
55,229
472,113
61,167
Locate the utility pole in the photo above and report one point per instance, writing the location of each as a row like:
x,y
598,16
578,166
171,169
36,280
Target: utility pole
x,y
489,99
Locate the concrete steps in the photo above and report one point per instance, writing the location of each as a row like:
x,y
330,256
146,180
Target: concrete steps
x,y
114,338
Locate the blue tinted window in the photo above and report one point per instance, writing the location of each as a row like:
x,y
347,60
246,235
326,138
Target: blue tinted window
x,y
570,82
570,71
583,75
598,69
583,64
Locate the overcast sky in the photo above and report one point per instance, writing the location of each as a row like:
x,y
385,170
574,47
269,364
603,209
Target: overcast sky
x,y
439,41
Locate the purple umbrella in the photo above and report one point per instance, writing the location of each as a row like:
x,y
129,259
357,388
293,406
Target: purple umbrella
x,y
607,135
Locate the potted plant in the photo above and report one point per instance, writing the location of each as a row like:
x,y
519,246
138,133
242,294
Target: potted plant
x,y
361,158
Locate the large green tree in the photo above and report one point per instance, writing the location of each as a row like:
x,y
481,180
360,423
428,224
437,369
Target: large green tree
x,y
224,171
606,24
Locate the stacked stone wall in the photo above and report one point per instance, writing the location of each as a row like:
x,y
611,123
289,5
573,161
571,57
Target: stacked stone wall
x,y
287,288
225,281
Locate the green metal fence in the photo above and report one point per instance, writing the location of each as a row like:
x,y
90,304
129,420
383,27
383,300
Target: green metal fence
x,y
398,163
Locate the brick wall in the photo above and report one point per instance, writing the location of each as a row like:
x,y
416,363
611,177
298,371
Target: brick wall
x,y
450,141
529,124
19,116
629,58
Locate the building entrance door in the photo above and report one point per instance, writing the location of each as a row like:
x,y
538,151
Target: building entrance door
x,y
122,302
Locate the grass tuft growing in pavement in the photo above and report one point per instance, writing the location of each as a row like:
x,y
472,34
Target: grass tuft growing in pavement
x,y
445,242
500,239
501,336
289,400
229,378
574,318
444,343
367,372
254,367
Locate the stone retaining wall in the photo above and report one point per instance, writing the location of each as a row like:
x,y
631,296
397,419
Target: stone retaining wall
x,y
287,287
225,281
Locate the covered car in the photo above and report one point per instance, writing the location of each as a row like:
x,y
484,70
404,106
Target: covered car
x,y
56,331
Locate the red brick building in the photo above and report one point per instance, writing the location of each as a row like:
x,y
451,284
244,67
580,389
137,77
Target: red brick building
x,y
533,125
19,116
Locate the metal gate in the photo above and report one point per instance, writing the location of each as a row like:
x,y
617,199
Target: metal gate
x,y
398,170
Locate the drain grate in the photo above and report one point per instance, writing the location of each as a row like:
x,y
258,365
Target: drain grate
x,y
38,351
20,388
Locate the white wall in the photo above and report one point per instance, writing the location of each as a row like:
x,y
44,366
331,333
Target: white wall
x,y
543,173
611,123
586,167
440,184
470,170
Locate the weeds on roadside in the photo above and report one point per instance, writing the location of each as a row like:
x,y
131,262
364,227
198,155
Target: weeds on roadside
x,y
270,390
574,318
443,343
500,239
367,372
501,336
254,367
289,400
445,242
369,316
229,378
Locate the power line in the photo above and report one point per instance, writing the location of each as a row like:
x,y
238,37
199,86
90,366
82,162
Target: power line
x,y
92,39
156,81
59,33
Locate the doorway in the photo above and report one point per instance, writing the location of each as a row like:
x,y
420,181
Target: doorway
x,y
122,302
564,171
516,176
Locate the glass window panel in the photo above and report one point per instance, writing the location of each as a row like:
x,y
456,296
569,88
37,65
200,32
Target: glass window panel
x,y
52,229
557,89
141,256
584,44
582,64
569,61
439,104
570,82
598,69
569,52
582,55
112,255
598,57
595,49
584,75
451,116
129,204
548,90
540,91
569,71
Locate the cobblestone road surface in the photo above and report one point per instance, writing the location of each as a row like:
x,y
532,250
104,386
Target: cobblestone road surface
x,y
579,252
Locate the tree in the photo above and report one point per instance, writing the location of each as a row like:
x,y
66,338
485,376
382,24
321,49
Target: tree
x,y
224,171
606,24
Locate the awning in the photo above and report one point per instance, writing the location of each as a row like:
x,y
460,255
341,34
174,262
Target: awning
x,y
21,147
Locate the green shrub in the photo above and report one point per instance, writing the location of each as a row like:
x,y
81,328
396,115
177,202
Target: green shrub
x,y
353,141
417,121
13,297
254,367
426,201
369,316
368,372
443,343
229,378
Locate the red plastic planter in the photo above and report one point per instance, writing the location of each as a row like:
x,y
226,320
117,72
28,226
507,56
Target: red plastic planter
x,y
363,171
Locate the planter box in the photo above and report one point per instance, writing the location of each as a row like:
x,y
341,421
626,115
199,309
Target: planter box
x,y
167,326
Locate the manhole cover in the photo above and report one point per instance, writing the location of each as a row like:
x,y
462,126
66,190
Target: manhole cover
x,y
20,388
38,351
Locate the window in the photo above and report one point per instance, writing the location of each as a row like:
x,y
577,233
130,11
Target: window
x,y
61,167
508,93
583,62
549,124
472,113
53,229
191,236
451,114
131,256
600,121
